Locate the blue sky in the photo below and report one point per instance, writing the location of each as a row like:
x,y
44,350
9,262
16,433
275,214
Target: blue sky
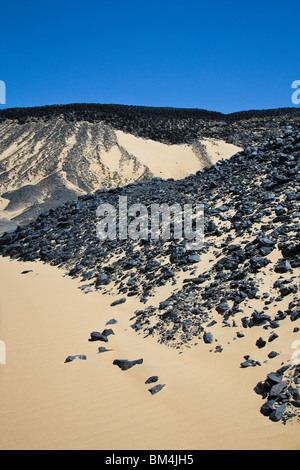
x,y
218,55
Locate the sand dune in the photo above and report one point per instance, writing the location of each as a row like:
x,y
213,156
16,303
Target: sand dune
x,y
208,401
44,164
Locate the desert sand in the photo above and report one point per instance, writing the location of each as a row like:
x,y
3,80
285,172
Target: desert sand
x,y
208,401
174,161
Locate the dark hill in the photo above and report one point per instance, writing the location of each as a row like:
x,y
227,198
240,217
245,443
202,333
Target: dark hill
x,y
169,125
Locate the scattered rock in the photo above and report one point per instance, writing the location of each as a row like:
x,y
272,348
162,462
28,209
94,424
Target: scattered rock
x,y
260,343
194,258
282,391
118,302
267,408
102,349
153,378
107,332
208,337
156,389
78,356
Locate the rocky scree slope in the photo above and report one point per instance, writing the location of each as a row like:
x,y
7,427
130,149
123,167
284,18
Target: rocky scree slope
x,y
246,275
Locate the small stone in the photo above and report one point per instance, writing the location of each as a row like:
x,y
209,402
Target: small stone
x,y
277,389
272,337
124,364
277,414
72,358
260,343
295,315
283,266
102,349
118,302
194,258
152,379
207,338
272,354
222,307
156,388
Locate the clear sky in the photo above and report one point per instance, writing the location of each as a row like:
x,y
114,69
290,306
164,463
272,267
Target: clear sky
x,y
218,55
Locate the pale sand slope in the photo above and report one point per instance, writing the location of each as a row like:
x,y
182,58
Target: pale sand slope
x,y
208,401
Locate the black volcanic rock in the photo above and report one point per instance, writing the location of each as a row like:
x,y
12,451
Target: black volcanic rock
x,y
282,391
118,302
267,408
283,266
103,349
170,125
107,332
97,336
277,414
207,338
258,318
152,379
252,231
258,186
260,343
42,186
248,363
124,364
